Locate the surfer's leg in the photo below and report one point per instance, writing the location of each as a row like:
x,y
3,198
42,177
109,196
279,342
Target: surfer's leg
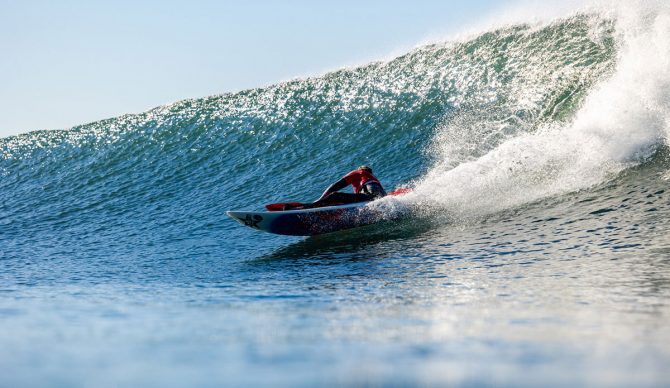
x,y
341,199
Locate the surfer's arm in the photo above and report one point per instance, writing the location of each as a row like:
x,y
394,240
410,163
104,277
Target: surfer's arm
x,y
337,186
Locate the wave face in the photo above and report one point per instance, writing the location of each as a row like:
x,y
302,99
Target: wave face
x,y
487,124
536,250
175,169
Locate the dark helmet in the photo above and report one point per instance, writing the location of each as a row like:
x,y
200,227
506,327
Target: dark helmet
x,y
366,168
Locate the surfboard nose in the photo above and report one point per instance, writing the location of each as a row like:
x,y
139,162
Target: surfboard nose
x,y
247,219
237,216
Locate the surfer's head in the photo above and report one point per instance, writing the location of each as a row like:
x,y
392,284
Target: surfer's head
x,y
365,168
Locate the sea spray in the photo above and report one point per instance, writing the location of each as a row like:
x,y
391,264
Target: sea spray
x,y
481,168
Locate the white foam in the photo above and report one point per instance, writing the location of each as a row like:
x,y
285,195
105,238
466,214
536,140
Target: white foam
x,y
622,122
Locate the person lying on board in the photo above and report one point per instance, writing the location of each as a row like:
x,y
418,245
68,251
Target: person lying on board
x,y
366,188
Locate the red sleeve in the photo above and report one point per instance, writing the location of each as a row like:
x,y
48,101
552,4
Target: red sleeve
x,y
352,177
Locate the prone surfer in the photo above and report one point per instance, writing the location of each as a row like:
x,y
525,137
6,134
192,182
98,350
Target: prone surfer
x,y
366,188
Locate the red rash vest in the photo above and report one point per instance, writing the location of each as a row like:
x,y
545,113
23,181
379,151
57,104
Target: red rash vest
x,y
358,178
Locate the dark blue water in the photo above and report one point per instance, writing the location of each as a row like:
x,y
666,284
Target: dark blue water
x,y
536,251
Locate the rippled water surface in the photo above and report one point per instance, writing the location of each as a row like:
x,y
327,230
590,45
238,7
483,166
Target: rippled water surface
x,y
520,298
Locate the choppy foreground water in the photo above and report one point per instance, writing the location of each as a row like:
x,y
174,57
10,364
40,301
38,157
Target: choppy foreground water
x,y
571,291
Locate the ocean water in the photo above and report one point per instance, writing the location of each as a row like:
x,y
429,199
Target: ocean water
x,y
535,249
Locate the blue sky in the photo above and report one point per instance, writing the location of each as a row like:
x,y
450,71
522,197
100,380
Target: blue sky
x,y
65,63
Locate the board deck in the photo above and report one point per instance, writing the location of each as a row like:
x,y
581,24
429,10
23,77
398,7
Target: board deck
x,y
310,222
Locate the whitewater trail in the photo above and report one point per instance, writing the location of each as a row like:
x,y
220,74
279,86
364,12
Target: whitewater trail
x,y
622,122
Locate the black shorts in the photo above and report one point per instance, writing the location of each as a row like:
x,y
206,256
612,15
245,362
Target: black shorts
x,y
373,189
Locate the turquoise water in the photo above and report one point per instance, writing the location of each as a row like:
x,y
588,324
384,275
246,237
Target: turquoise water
x,y
536,251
